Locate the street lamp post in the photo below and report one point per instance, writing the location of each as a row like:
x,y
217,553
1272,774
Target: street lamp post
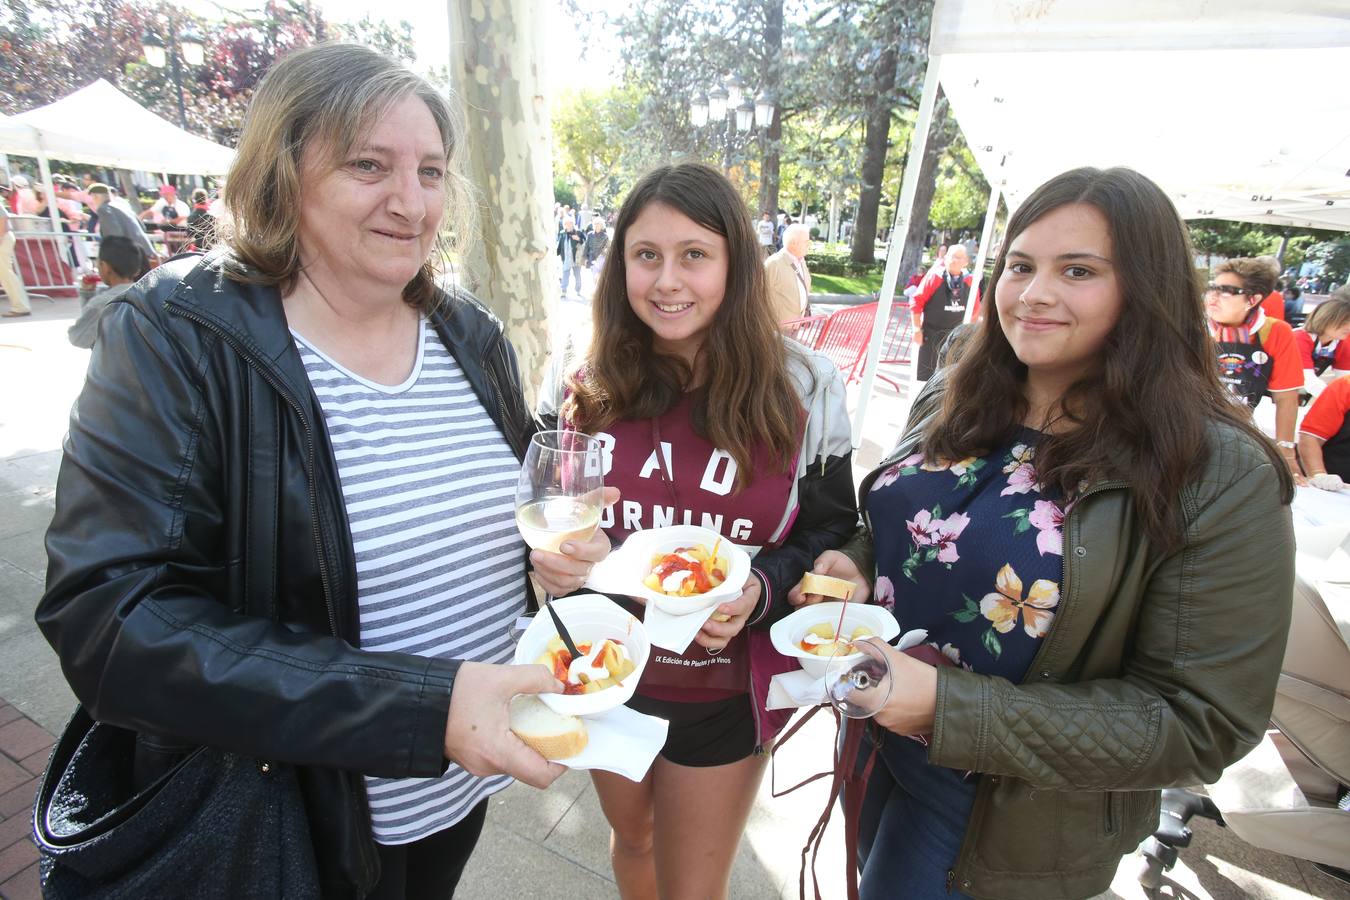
x,y
730,102
187,46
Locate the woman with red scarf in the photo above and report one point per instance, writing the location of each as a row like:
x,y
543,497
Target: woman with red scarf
x,y
1257,355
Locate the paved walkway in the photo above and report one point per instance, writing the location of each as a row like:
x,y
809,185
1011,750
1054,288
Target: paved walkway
x,y
24,746
536,844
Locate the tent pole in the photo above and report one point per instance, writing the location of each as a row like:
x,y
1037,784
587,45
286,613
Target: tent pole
x,y
986,237
53,213
903,213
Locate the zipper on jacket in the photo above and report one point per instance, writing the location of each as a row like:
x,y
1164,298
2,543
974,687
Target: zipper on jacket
x,y
951,879
501,410
309,443
981,805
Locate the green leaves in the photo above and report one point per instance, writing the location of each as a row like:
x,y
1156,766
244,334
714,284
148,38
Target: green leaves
x,y
969,614
911,564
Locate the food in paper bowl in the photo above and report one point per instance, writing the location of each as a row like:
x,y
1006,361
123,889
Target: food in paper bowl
x,y
645,550
789,634
820,640
686,571
610,635
602,665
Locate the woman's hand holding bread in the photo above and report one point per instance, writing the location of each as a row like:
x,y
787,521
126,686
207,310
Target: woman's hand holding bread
x,y
477,731
835,567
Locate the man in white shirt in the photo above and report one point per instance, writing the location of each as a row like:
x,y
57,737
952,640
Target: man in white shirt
x,y
168,209
789,280
765,229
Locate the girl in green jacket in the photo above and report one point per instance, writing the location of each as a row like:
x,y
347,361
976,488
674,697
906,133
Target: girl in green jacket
x,y
1096,540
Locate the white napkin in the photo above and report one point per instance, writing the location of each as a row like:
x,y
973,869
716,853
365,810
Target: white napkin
x,y
674,632
793,689
613,574
801,688
621,740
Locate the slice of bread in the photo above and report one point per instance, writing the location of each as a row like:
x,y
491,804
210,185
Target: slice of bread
x,y
553,735
826,586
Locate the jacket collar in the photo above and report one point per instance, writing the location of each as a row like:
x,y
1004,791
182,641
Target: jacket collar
x,y
253,318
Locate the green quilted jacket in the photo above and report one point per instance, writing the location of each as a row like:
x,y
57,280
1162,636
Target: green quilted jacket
x,y
1158,671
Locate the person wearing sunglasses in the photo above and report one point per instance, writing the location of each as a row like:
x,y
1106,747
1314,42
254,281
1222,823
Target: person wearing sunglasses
x,y
1257,354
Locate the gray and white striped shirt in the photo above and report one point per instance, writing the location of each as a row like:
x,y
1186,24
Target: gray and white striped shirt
x,y
429,482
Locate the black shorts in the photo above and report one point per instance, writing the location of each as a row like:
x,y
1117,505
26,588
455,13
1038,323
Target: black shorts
x,y
704,734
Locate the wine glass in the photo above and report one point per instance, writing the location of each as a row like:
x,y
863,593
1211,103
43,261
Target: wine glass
x,y
859,686
560,488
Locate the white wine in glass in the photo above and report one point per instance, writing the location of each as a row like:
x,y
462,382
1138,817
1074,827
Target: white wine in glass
x,y
559,492
546,524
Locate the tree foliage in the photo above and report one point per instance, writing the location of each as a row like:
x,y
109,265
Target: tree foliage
x,y
1334,257
840,66
961,194
54,47
591,130
1217,237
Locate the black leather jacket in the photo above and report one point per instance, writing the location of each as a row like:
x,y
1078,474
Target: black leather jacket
x,y
202,585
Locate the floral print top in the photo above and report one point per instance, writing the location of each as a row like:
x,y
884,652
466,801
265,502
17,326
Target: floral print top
x,y
971,550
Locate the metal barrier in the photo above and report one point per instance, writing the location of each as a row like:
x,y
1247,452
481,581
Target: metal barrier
x,y
898,343
50,263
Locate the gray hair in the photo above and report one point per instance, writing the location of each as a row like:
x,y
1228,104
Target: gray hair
x,y
790,233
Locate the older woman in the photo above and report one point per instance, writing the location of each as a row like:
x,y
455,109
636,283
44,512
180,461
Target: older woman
x,y
285,520
1108,571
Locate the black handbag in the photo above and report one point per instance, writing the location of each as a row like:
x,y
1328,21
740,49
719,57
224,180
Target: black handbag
x,y
121,816
214,825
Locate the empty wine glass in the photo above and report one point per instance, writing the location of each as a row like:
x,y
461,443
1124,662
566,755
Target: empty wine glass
x,y
859,683
560,488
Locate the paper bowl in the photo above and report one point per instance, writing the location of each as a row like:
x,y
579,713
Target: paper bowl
x,y
787,632
589,618
641,546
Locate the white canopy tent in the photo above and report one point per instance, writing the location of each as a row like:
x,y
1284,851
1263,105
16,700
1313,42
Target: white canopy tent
x,y
1234,107
100,125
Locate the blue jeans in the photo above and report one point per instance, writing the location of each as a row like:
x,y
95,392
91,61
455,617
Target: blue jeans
x,y
575,272
914,817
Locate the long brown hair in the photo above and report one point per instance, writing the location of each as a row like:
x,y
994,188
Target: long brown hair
x,y
323,99
749,400
1143,415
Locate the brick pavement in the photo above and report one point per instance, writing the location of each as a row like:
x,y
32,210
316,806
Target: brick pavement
x,y
24,746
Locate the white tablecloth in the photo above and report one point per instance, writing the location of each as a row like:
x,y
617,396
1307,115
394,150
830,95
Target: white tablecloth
x,y
1313,506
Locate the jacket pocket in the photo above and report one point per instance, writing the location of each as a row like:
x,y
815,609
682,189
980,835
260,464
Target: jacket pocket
x,y
1113,808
